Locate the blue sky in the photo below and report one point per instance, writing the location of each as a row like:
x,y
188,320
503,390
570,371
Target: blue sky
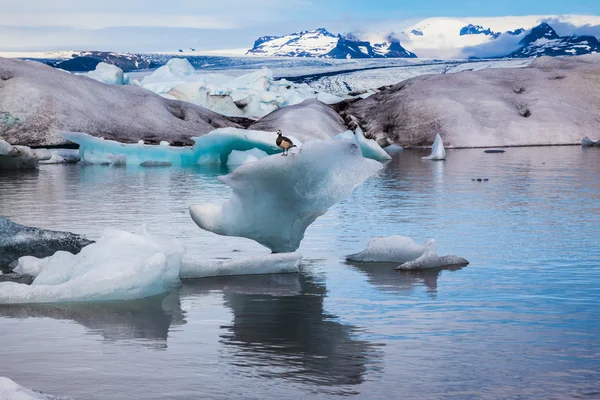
x,y
159,25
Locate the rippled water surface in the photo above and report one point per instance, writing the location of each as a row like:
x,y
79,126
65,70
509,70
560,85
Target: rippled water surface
x,y
521,321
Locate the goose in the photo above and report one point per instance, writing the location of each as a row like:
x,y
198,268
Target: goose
x,y
284,142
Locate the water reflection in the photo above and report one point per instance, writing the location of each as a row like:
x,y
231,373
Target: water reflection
x,y
280,329
145,321
386,278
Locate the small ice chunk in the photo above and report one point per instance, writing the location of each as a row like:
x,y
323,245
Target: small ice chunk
x,y
587,142
370,148
282,263
430,259
437,151
10,390
21,157
119,266
164,143
389,249
237,157
276,198
108,74
60,156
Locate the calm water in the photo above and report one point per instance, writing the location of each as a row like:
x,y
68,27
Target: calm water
x,y
522,321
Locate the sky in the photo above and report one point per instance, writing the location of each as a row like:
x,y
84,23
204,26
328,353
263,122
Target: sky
x,y
151,25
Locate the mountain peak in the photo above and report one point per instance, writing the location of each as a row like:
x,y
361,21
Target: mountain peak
x,y
542,31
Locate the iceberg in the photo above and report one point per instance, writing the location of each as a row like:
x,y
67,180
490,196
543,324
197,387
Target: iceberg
x,y
18,240
214,147
108,74
21,157
393,149
10,390
437,151
119,266
276,198
268,264
430,259
368,147
587,142
389,249
254,95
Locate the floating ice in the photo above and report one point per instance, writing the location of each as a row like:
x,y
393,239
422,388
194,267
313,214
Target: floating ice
x,y
587,142
244,157
437,151
31,266
108,74
276,198
21,157
119,266
368,147
254,94
10,390
60,156
214,147
267,264
389,249
430,259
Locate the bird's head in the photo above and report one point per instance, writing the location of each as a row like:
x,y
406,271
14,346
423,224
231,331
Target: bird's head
x,y
279,133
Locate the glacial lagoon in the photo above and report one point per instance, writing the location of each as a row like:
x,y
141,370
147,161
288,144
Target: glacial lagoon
x,y
522,320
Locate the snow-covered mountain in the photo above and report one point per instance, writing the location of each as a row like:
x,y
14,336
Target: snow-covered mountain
x,y
543,40
485,36
321,43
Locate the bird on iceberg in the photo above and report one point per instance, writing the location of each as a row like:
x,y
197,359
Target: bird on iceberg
x,y
284,142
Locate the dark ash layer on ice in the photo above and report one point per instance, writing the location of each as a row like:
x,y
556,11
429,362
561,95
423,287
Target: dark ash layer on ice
x,y
17,241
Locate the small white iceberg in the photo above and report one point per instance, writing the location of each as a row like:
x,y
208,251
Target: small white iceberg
x,y
438,152
404,250
368,147
119,266
282,263
389,249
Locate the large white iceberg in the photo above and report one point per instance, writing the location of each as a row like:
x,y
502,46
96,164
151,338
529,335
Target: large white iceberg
x,y
119,266
214,147
267,264
10,390
276,198
108,74
254,94
437,150
430,259
389,249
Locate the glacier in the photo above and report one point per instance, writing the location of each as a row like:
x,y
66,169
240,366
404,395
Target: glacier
x,y
438,152
10,390
430,259
389,249
266,264
275,199
214,147
253,95
119,266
